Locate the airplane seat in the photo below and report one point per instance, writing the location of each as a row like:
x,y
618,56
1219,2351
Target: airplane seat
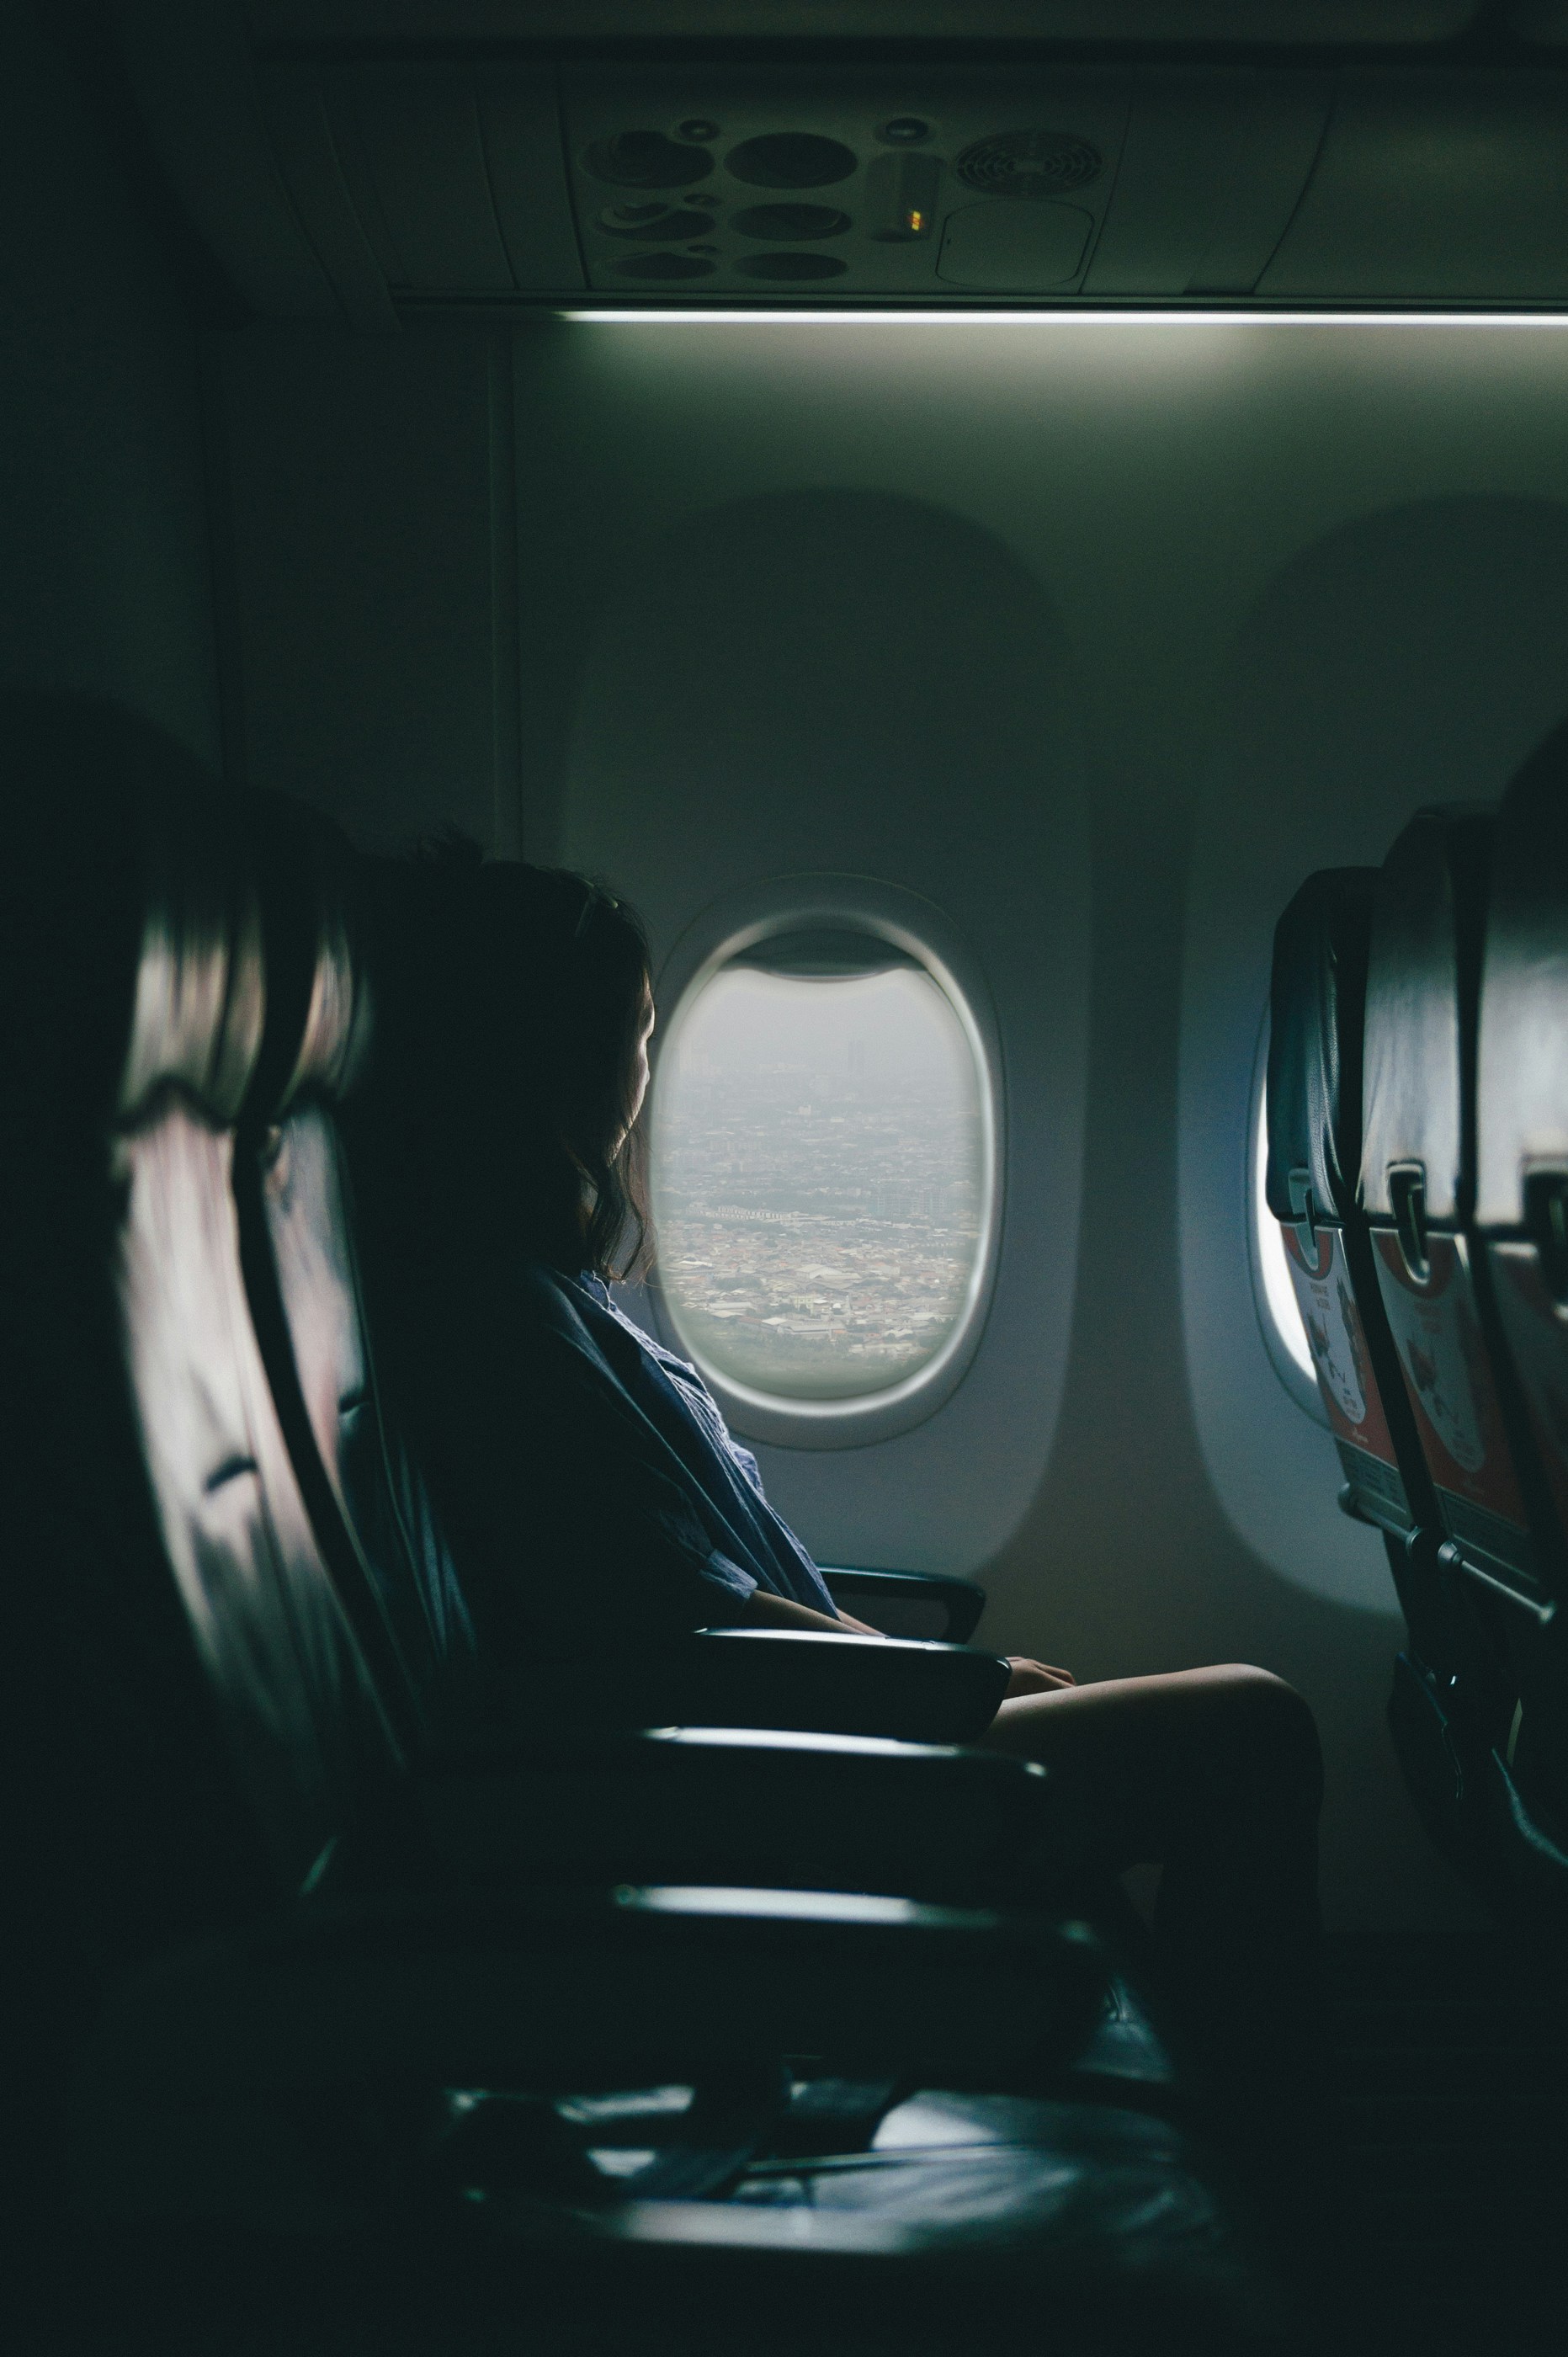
x,y
1314,1104
1521,1221
928,1821
146,1440
186,1726
1417,1185
276,2067
1317,1009
940,1826
371,1507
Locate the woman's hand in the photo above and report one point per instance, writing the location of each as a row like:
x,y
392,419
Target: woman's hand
x,y
1034,1677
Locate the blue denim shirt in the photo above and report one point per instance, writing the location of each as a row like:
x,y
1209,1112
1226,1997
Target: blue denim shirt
x,y
594,1494
750,1545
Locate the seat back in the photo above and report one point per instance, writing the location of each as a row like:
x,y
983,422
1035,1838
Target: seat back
x,y
1417,1186
1316,1010
160,1500
370,1508
1456,1685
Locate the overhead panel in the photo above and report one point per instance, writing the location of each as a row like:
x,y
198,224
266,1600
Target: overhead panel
x,y
419,129
1214,166
1434,186
519,119
745,182
451,174
307,154
366,186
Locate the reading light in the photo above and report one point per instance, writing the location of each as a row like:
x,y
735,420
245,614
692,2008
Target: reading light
x,y
739,316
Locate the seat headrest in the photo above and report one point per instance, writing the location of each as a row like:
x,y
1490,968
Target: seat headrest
x,y
196,1026
1317,1001
1522,1058
131,891
318,1000
1423,972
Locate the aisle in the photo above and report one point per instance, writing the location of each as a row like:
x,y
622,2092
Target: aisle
x,y
1451,2072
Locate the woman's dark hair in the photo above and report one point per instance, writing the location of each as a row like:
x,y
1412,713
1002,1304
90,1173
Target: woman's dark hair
x,y
521,992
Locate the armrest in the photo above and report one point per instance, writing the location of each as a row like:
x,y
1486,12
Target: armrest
x,y
711,1805
211,2079
960,1601
773,1677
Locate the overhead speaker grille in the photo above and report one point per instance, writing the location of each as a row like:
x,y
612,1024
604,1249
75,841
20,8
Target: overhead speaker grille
x,y
1029,163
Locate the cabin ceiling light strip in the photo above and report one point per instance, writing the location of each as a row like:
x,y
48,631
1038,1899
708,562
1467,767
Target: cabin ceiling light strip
x,y
958,316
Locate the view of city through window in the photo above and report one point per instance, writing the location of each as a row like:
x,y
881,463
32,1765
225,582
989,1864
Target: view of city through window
x,y
817,1170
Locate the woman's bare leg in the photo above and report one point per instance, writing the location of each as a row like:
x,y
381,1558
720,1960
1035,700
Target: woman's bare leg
x,y
1214,1774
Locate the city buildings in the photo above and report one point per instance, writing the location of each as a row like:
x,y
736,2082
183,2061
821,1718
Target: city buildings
x,y
817,1231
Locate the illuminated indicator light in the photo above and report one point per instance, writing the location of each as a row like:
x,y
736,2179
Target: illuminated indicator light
x,y
915,222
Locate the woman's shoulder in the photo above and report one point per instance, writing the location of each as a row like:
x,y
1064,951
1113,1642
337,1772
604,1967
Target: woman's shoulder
x,y
551,1297
575,1309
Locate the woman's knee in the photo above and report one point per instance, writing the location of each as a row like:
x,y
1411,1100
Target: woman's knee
x,y
1273,1727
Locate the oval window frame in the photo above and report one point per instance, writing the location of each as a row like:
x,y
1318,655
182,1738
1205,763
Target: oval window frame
x,y
727,930
1300,1384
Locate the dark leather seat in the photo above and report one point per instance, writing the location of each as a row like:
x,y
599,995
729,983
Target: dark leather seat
x,y
1418,1186
1423,1310
1418,1183
917,1818
187,1726
687,1803
1316,1015
155,1499
281,2071
1453,1681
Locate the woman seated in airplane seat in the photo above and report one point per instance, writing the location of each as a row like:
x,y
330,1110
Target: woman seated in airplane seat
x,y
595,1493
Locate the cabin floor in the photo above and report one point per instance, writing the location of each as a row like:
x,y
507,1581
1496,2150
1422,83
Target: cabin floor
x,y
1442,2236
1451,2075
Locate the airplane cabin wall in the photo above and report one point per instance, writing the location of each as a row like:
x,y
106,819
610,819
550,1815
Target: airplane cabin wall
x,y
1101,636
103,517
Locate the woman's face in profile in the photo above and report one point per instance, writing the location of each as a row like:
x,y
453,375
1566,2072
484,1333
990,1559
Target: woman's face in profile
x,y
639,1059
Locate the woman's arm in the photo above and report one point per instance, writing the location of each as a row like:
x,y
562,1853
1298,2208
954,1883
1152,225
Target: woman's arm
x,y
762,1609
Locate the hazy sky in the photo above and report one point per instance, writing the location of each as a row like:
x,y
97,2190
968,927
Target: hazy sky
x,y
745,1018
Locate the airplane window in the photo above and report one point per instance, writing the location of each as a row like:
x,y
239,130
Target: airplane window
x,y
819,1169
1279,1298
